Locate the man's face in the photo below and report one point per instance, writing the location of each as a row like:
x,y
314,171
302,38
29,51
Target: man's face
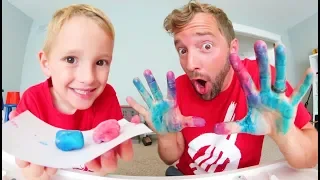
x,y
203,52
78,64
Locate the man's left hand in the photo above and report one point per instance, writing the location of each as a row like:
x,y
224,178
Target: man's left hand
x,y
270,111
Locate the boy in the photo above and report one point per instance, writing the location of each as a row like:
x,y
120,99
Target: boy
x,y
76,58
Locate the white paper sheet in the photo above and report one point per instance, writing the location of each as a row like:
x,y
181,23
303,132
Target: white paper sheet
x,y
29,138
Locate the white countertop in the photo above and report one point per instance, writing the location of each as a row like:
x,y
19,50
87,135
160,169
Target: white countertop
x,y
278,170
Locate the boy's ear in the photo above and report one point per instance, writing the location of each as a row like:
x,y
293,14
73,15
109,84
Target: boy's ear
x,y
44,63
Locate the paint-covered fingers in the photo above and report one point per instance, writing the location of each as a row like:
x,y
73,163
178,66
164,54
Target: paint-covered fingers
x,y
280,67
153,85
226,128
141,110
303,87
246,81
136,106
192,121
143,92
261,51
171,86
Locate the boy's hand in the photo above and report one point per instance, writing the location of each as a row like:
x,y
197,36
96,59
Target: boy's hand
x,y
33,171
108,162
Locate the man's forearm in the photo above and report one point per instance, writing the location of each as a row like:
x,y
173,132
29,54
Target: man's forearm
x,y
299,147
169,147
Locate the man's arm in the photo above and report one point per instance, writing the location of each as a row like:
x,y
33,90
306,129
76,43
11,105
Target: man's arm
x,y
299,146
170,147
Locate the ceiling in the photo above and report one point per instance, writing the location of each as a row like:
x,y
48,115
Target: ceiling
x,y
271,15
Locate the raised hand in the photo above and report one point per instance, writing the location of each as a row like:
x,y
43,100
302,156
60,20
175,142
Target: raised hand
x,y
269,110
163,115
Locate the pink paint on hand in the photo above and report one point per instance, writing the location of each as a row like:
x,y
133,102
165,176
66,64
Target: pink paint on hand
x,y
198,121
221,128
106,131
135,119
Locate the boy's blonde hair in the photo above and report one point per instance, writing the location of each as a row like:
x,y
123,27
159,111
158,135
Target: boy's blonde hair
x,y
179,18
65,14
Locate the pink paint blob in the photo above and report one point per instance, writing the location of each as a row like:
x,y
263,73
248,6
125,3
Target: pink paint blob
x,y
106,131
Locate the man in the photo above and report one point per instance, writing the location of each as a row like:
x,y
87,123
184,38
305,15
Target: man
x,y
223,107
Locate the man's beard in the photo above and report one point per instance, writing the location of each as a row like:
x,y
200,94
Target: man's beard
x,y
216,84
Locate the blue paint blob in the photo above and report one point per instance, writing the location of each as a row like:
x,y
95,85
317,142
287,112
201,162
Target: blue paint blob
x,y
68,140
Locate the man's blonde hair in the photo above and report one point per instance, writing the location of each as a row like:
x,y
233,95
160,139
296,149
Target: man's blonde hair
x,y
179,18
65,14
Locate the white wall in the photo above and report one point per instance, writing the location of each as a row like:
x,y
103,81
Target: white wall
x,y
246,45
303,38
141,42
15,32
130,58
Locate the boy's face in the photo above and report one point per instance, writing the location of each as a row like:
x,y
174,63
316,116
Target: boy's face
x,y
78,64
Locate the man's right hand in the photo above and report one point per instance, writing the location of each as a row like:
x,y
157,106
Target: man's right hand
x,y
164,115
32,171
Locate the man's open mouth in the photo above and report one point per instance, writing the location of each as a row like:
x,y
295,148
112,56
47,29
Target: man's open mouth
x,y
202,87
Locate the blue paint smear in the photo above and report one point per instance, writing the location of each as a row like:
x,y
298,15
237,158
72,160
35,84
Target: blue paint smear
x,y
143,92
68,140
280,67
247,125
43,143
159,115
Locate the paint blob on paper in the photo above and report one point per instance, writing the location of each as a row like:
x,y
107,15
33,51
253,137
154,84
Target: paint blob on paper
x,y
69,140
106,131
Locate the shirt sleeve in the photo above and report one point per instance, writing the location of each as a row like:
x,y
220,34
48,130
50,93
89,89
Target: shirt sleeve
x,y
303,116
27,102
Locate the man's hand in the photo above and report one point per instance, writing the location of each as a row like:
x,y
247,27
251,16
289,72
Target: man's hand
x,y
108,162
163,115
32,171
270,111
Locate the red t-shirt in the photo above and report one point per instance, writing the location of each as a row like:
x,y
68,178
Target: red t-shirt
x,y
206,152
38,100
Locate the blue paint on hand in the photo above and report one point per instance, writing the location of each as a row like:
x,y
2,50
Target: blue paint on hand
x,y
68,140
269,106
